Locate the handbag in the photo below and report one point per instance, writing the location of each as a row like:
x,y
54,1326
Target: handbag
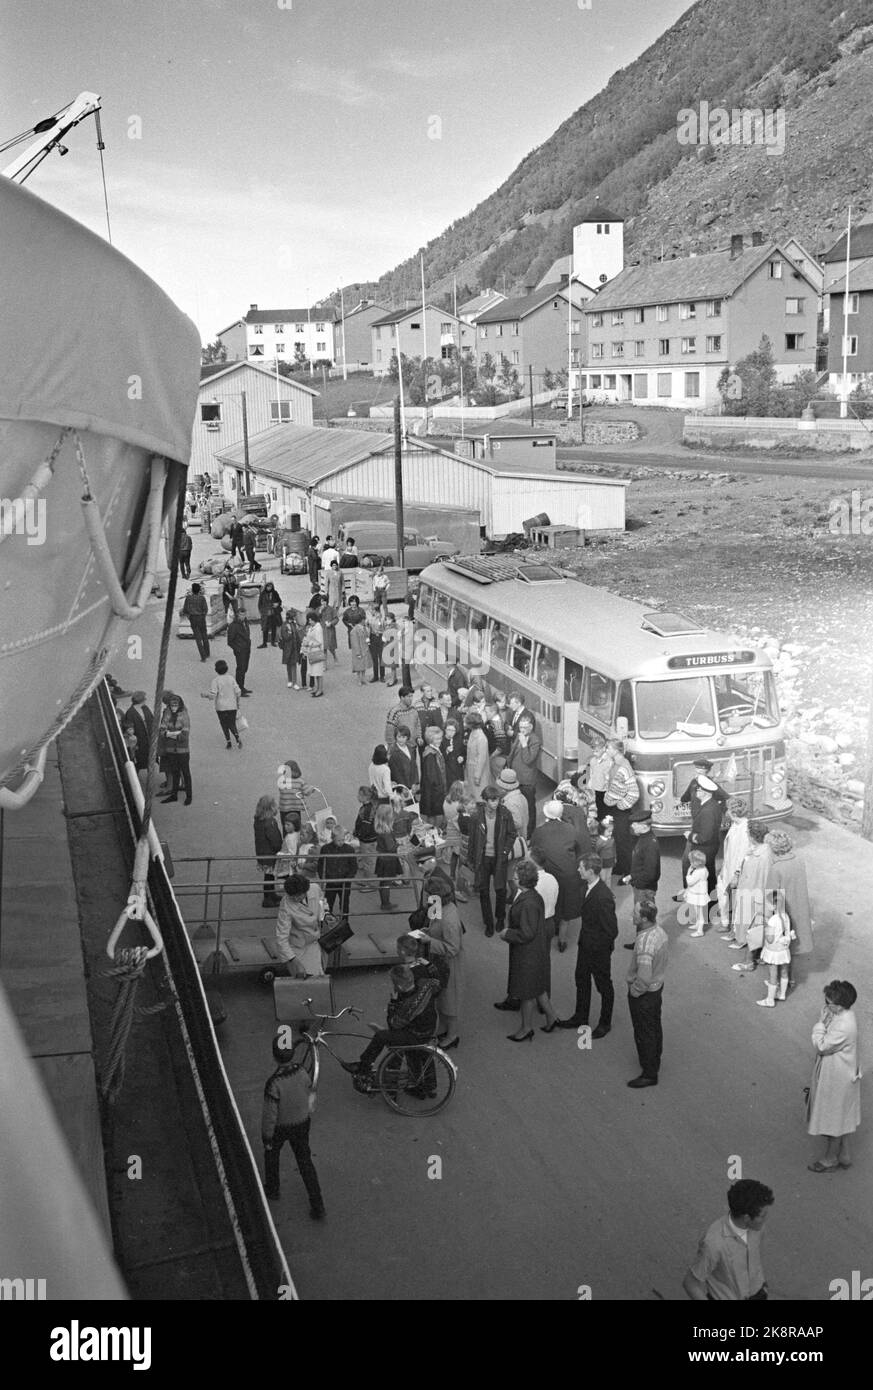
x,y
755,936
242,722
338,932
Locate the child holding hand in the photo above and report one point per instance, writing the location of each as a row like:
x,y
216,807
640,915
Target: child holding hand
x,y
697,890
776,954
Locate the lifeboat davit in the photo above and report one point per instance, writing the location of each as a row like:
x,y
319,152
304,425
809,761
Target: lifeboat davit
x,y
97,399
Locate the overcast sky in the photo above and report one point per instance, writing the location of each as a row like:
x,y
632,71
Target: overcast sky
x,y
286,144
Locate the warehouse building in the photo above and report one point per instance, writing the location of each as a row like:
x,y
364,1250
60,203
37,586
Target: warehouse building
x,y
298,465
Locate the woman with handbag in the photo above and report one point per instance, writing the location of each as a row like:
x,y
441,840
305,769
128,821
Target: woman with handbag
x,y
174,746
312,647
298,927
268,843
529,959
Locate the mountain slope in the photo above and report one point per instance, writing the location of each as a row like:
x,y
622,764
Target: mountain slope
x,y
813,58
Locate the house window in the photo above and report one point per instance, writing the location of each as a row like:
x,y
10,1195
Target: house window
x,y
445,328
663,347
321,347
483,332
618,349
640,347
850,346
256,350
209,411
415,325
378,332
498,331
713,344
688,310
774,270
515,330
596,320
794,306
692,386
280,411
515,357
665,383
378,354
300,328
689,345
854,303
299,343
258,328
596,351
594,382
446,351
641,385
713,308
575,325
319,328
280,347
574,357
617,318
662,313
394,330
278,328
794,342
609,382
639,315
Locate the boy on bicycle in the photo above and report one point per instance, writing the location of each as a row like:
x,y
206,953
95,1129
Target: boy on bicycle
x,y
411,1013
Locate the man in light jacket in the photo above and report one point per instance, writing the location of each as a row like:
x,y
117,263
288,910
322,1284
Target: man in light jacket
x,y
289,1102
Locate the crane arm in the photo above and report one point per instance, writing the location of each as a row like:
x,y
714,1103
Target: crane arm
x,y
51,132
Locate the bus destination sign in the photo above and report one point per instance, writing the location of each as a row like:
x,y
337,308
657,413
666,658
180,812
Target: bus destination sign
x,y
694,662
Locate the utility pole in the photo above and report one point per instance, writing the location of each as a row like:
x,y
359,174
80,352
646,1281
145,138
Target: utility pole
x,y
844,401
530,390
245,424
867,808
398,482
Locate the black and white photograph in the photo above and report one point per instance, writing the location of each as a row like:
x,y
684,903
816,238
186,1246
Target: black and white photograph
x,y
501,375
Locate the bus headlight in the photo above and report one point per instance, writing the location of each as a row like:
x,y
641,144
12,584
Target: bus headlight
x,y
778,774
657,806
656,788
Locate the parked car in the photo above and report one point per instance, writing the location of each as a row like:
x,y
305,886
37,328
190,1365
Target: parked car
x,y
377,543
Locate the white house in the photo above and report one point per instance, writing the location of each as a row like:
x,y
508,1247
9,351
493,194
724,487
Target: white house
x,y
218,421
268,335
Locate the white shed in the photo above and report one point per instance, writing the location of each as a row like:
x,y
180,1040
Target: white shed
x,y
356,463
218,422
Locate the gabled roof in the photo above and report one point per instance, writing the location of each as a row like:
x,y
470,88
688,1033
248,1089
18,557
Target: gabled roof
x,y
860,246
208,375
526,304
712,276
479,303
320,312
598,214
562,266
237,323
860,279
397,315
362,308
306,454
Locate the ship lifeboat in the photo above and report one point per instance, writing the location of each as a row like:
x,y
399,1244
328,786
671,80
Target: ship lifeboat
x,y
97,399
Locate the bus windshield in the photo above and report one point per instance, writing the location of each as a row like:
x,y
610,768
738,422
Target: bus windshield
x,y
746,700
675,707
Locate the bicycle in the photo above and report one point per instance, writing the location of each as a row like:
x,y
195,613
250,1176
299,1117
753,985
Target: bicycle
x,y
415,1079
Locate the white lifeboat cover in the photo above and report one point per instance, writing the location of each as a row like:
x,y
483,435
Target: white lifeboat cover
x,y
86,338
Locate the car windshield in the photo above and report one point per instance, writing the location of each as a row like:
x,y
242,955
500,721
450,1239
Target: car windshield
x,y
675,707
746,700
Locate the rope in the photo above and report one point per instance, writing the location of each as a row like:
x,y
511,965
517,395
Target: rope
x,y
100,148
129,970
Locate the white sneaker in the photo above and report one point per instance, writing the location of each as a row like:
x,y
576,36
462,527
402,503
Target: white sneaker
x,y
291,685
296,687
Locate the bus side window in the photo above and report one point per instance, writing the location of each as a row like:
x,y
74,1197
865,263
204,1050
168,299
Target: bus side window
x,y
547,667
522,654
499,641
572,682
460,615
626,706
423,603
441,610
598,696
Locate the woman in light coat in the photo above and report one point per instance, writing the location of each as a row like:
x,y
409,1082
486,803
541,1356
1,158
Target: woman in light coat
x,y
298,927
444,936
835,1091
477,772
312,647
735,848
749,901
788,879
359,645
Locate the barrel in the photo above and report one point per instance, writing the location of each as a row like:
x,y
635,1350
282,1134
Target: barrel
x,y
534,523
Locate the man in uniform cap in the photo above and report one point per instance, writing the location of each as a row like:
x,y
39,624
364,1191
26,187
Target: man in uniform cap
x,y
707,812
140,718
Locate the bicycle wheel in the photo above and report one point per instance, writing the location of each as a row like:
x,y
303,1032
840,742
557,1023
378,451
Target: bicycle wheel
x,y
416,1080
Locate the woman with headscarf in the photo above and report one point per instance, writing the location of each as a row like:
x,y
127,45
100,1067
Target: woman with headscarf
x,y
529,962
477,773
298,927
174,747
835,1091
788,882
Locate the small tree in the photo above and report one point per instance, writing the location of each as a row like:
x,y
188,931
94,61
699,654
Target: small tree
x,y
548,379
301,361
747,388
213,352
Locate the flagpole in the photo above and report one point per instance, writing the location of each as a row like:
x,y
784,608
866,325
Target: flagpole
x,y
424,371
844,402
343,323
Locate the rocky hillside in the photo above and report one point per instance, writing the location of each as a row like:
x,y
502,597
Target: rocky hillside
x,y
811,58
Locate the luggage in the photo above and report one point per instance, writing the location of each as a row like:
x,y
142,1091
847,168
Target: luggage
x,y
296,1000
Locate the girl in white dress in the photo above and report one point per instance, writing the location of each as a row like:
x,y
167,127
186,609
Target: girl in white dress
x,y
776,955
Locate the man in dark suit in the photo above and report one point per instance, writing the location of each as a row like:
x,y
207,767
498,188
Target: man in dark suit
x,y
707,813
140,718
597,934
519,710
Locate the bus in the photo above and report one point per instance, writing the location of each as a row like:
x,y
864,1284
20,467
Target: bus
x,y
587,662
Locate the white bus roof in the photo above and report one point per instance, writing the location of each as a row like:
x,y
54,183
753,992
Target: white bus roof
x,y
589,625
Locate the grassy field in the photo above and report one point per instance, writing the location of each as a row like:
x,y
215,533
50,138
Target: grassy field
x,y
334,402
